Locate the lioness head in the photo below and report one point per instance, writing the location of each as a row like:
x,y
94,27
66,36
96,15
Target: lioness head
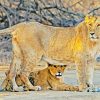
x,y
56,70
93,25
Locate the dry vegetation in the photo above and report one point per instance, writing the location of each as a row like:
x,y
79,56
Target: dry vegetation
x,y
50,12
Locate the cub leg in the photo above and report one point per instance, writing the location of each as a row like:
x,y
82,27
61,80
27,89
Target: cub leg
x,y
28,84
65,87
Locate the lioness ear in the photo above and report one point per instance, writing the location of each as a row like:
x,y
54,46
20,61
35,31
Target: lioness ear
x,y
90,19
98,25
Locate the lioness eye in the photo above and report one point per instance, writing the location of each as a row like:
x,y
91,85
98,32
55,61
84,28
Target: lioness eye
x,y
98,25
90,24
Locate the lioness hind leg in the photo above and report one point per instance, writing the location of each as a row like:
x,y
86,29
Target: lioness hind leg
x,y
10,85
19,81
27,83
15,66
4,84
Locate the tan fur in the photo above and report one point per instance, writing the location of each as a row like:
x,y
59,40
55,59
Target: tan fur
x,y
35,44
49,78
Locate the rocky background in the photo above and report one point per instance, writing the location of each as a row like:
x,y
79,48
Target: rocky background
x,y
64,13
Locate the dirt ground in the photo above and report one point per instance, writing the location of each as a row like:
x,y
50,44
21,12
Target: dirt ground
x,y
69,77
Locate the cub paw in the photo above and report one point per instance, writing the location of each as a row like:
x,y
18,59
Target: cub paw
x,y
35,88
38,88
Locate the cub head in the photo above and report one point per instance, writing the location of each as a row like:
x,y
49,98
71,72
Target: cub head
x,y
93,26
56,70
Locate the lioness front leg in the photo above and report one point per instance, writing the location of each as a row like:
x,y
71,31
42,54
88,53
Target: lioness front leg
x,y
90,73
81,73
65,87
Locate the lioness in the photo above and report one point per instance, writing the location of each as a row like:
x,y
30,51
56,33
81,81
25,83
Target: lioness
x,y
49,78
35,44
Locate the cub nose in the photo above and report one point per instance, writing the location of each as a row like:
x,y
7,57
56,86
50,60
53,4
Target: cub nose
x,y
59,72
92,33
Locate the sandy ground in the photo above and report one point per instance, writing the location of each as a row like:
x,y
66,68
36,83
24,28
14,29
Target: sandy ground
x,y
69,77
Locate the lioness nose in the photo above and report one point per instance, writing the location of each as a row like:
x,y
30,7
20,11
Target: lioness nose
x,y
92,33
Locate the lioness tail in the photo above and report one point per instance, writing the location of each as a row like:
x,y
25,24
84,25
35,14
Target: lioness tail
x,y
7,30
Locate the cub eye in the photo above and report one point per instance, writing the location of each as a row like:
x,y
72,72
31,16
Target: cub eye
x,y
55,66
63,65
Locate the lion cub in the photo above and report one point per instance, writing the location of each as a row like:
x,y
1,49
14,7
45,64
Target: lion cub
x,y
49,78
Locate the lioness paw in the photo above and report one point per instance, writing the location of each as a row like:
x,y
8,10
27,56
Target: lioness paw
x,y
18,89
1,89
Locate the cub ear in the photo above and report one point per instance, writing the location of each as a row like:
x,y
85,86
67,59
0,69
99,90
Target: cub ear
x,y
90,19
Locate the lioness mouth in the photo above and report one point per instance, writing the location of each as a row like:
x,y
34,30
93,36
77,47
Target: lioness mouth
x,y
94,37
